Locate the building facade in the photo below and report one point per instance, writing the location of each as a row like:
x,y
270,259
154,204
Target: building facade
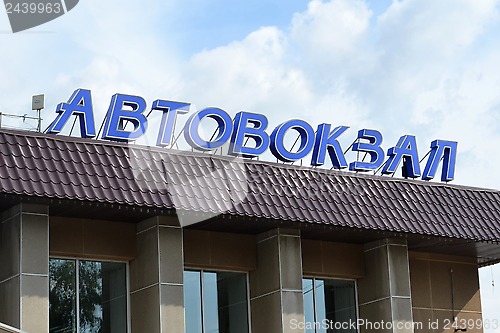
x,y
108,237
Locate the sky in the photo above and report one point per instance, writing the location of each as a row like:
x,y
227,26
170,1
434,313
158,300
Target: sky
x,y
422,67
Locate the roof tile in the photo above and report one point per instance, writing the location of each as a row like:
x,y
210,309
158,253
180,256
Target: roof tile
x,y
83,169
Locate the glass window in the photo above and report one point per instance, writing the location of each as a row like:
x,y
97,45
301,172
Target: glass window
x,y
215,302
329,305
192,301
62,296
87,296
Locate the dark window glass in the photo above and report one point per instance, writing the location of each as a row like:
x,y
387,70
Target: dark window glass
x,y
103,297
340,302
329,301
215,302
100,300
62,295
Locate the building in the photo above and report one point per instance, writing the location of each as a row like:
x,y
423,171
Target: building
x,y
108,237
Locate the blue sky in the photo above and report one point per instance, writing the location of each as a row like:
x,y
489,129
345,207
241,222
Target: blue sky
x,y
422,67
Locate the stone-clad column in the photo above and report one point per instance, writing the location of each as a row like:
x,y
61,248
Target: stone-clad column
x,y
157,277
24,268
384,294
276,296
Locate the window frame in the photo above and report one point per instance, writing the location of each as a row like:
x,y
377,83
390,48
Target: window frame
x,y
216,270
321,277
77,281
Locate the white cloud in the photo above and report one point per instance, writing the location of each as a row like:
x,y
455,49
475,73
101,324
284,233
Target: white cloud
x,y
244,72
331,31
437,27
425,44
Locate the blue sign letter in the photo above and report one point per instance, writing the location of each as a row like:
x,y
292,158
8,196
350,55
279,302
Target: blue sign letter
x,y
170,110
117,118
79,104
277,146
372,148
441,149
406,147
241,131
328,140
224,123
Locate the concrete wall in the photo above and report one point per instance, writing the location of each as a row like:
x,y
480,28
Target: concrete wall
x,y
157,277
384,294
329,259
94,239
276,297
275,261
432,289
219,250
24,268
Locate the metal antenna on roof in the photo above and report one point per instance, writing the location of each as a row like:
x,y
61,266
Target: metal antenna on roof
x,y
38,104
23,117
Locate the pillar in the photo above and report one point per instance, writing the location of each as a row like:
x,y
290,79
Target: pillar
x,y
157,277
24,268
276,285
384,294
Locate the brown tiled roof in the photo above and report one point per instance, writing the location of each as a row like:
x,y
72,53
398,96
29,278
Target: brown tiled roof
x,y
48,166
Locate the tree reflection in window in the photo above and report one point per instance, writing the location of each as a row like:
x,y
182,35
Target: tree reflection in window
x,y
62,295
101,295
90,288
